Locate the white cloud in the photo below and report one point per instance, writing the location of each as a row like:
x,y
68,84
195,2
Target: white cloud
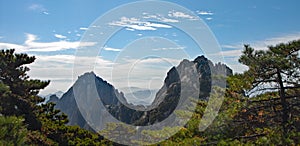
x,y
30,38
231,53
10,46
46,13
146,73
163,19
131,62
59,59
59,70
160,60
38,8
130,29
140,27
262,45
209,18
68,60
164,49
160,18
177,14
111,49
157,25
135,24
31,44
60,36
233,46
83,28
205,13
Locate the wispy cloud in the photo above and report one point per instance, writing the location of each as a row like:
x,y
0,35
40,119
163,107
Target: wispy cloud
x,y
177,14
46,13
111,49
140,27
10,45
157,25
46,67
263,44
137,24
38,8
31,44
60,36
160,18
204,12
145,73
160,60
83,28
163,19
171,48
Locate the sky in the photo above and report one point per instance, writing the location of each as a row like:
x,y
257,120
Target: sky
x,y
133,43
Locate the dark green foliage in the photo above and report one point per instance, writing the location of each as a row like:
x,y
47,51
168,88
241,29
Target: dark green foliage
x,y
12,131
21,92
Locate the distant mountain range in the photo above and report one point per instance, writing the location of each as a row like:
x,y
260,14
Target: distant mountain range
x,y
57,94
185,79
139,96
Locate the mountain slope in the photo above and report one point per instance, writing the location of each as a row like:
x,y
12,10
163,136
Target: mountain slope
x,y
182,81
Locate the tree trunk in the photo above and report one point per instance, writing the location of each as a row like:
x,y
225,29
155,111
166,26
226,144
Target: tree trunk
x,y
283,102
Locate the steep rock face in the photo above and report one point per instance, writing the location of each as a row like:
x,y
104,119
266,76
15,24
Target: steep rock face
x,y
67,104
183,80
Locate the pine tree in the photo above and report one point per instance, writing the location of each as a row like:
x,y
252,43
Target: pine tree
x,y
20,98
274,70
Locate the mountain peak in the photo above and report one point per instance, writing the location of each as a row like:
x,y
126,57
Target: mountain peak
x,y
87,74
200,59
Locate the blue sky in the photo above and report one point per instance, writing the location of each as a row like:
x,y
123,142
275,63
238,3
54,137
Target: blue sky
x,y
52,30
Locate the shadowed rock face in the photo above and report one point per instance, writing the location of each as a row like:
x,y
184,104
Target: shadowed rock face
x,y
53,98
184,79
67,104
